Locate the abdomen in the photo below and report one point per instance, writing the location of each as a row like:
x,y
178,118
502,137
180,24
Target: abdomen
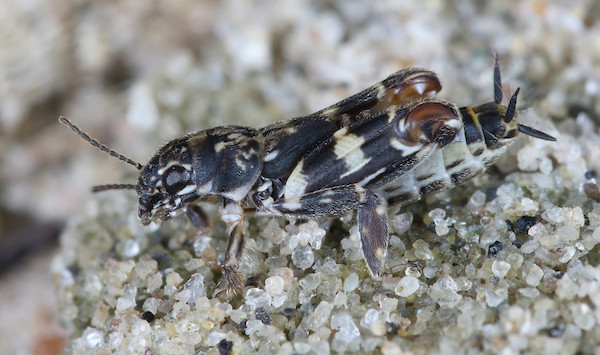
x,y
453,164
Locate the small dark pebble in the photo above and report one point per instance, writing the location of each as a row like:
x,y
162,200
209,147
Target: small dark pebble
x,y
590,174
163,259
592,191
243,326
148,316
288,312
250,281
225,346
491,190
391,328
431,227
526,222
556,331
518,242
558,274
494,249
262,315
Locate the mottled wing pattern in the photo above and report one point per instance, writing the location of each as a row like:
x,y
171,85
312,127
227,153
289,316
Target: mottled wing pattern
x,y
286,142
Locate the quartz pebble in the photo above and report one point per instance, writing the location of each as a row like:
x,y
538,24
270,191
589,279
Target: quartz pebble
x,y
534,275
346,330
500,268
195,287
93,338
444,292
256,298
274,285
320,316
308,233
402,222
303,257
407,286
351,282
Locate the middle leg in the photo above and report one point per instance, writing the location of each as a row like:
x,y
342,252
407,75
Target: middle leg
x,y
232,214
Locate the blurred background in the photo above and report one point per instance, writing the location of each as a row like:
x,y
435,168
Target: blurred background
x,y
135,74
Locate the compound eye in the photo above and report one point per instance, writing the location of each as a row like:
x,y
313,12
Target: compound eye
x,y
175,179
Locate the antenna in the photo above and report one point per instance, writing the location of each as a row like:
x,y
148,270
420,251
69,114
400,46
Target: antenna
x,y
100,146
99,188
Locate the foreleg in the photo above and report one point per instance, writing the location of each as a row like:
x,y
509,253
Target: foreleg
x,y
198,218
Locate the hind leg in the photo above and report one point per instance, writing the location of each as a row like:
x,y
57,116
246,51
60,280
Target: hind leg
x,y
338,201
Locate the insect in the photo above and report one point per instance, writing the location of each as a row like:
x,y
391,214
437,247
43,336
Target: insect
x,y
388,145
